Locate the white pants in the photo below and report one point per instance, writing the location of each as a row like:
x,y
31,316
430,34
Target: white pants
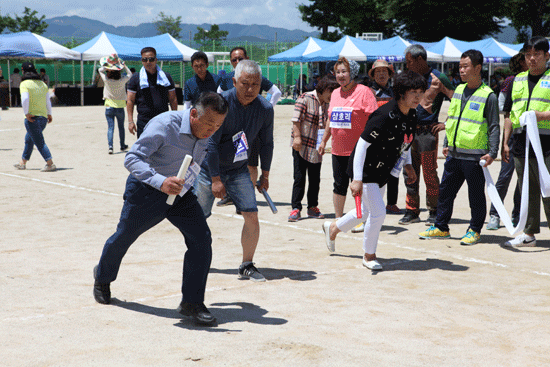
x,y
374,213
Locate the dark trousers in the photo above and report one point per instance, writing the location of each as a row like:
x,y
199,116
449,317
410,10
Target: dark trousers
x,y
15,97
455,172
144,207
392,188
313,172
503,182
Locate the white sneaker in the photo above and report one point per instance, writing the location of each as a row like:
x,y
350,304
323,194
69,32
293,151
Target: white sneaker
x,y
522,240
360,228
372,265
331,245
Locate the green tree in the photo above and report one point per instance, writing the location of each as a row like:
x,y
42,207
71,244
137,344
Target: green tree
x,y
524,14
429,21
422,20
348,17
28,22
168,24
212,37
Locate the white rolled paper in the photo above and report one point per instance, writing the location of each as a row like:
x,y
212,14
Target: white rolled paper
x,y
181,174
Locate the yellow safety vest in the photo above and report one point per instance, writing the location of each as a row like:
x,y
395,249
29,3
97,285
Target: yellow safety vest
x,y
466,128
538,101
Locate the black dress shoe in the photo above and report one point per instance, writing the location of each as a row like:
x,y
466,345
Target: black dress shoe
x,y
197,311
102,291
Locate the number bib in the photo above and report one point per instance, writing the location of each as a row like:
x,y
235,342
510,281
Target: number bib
x,y
241,147
340,117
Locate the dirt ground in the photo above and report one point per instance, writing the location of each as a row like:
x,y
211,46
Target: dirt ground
x,y
436,303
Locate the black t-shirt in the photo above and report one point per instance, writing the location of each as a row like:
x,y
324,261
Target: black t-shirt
x,y
389,132
518,145
153,100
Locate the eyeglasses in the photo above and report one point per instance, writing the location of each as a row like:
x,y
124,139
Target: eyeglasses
x,y
148,59
237,59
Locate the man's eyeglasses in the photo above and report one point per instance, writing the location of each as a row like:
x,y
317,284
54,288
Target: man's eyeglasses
x,y
237,59
148,59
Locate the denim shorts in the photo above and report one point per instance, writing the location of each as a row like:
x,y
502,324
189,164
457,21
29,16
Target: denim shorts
x,y
238,186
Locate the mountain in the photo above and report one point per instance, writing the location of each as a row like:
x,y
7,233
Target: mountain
x,y
63,29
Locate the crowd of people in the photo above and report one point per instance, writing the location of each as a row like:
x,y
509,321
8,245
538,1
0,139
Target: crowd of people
x,y
376,131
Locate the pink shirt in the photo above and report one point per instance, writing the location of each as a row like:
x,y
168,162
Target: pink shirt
x,y
363,102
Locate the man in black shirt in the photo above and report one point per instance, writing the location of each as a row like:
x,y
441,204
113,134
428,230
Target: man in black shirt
x,y
202,81
151,90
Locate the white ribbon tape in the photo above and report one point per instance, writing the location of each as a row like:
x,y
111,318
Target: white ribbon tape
x,y
528,120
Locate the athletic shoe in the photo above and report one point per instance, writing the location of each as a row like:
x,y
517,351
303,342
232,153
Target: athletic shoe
x,y
225,201
102,291
197,311
409,217
372,265
431,218
294,215
20,166
49,168
521,241
124,148
470,238
110,150
393,209
360,228
494,223
314,212
434,232
331,245
249,271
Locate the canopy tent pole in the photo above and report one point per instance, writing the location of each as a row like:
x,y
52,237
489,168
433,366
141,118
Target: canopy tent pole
x,y
9,84
82,80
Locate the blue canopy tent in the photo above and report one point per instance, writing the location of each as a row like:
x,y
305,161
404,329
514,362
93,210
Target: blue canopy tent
x,y
29,45
298,52
128,48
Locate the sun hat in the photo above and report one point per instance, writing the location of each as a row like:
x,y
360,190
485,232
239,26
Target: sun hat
x,y
381,64
112,62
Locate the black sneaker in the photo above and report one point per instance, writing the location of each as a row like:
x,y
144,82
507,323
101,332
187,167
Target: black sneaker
x,y
225,201
431,218
409,217
250,272
124,148
197,311
102,291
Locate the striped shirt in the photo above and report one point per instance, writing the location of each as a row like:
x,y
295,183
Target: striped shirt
x,y
311,117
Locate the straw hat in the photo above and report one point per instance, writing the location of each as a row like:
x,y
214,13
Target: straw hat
x,y
381,64
112,62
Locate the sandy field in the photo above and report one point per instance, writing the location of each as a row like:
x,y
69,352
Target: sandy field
x,y
436,303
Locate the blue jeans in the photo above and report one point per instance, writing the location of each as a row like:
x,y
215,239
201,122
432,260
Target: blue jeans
x,y
34,137
110,114
144,207
237,185
457,171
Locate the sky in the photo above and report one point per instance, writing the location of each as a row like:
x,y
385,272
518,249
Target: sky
x,y
275,13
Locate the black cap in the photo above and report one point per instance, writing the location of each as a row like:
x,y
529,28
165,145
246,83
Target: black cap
x,y
28,67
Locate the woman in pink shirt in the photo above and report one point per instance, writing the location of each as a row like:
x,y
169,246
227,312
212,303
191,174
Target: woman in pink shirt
x,y
349,110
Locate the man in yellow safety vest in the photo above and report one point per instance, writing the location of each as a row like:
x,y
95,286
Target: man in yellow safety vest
x,y
530,92
472,135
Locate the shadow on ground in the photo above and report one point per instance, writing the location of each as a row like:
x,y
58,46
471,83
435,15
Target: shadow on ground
x,y
225,313
274,274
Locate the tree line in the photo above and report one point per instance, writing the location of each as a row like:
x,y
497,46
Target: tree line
x,y
427,20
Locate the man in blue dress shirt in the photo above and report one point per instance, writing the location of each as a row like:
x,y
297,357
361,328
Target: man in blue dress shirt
x,y
154,161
